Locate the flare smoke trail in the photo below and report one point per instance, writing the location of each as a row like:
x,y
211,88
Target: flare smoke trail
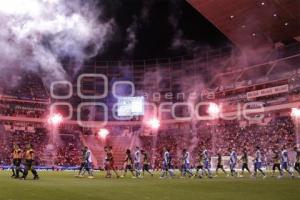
x,y
36,35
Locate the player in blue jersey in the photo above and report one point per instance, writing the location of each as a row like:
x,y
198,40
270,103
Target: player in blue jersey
x,y
285,161
258,162
206,162
137,161
232,161
186,164
87,163
167,165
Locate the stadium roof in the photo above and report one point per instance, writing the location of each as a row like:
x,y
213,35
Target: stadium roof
x,y
253,22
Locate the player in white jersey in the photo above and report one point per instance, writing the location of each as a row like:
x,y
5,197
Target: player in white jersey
x,y
167,165
186,164
232,161
88,162
137,161
285,161
258,162
206,162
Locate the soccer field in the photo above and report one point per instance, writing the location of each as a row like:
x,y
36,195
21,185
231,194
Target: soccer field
x,y
64,186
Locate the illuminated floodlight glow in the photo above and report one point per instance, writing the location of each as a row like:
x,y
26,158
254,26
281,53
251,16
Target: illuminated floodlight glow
x,y
214,109
154,123
55,119
295,112
103,133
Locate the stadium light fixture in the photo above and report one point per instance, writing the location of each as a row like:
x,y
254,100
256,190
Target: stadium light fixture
x,y
103,133
55,119
295,112
154,123
214,110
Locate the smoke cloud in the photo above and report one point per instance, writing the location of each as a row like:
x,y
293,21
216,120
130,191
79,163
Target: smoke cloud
x,y
37,35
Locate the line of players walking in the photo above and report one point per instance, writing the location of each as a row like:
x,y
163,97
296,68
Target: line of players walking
x,y
138,164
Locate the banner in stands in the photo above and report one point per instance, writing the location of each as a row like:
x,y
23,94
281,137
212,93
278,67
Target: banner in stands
x,y
268,91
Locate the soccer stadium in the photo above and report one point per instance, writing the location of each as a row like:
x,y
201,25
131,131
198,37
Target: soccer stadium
x,y
149,99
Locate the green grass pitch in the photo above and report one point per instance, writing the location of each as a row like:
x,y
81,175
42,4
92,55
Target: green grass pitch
x,y
64,186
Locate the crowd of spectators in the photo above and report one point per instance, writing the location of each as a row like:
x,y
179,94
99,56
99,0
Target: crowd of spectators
x,y
69,149
37,140
22,109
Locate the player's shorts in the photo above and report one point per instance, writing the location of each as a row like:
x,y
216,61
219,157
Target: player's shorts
x,y
219,166
206,165
137,166
297,166
284,165
29,164
257,165
245,166
232,166
17,162
146,167
88,165
199,167
187,166
165,166
276,166
129,167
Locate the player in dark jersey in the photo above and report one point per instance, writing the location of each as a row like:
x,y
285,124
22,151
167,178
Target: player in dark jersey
x,y
146,163
245,162
297,163
220,164
128,162
17,159
29,160
276,162
200,165
111,162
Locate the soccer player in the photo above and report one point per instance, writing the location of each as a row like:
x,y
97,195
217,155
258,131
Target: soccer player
x,y
245,161
206,162
276,163
17,159
81,168
186,164
285,161
167,165
200,165
220,164
297,163
137,162
106,163
88,162
29,159
232,161
146,163
258,163
111,162
128,164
